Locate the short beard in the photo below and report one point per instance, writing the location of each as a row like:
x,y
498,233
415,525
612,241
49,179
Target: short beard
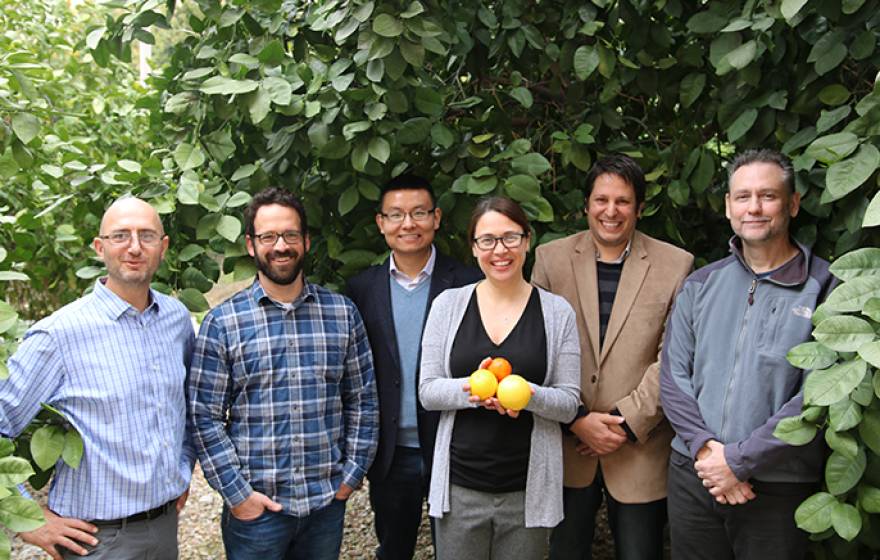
x,y
280,279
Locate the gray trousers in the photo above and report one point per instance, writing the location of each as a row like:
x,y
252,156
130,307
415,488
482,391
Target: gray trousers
x,y
480,525
155,539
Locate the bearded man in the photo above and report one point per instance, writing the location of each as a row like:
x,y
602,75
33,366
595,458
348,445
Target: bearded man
x,y
282,398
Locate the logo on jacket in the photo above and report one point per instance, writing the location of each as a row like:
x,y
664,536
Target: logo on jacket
x,y
802,311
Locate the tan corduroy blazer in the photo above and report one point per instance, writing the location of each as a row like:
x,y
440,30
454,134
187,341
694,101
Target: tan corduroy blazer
x,y
624,373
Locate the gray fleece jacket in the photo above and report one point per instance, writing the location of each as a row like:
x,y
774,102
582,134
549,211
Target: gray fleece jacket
x,y
554,402
723,372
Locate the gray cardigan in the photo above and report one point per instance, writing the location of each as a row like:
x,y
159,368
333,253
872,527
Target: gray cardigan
x,y
554,402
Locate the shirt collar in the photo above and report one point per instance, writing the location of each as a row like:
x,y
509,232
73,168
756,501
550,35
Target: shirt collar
x,y
259,294
794,272
426,271
115,306
621,258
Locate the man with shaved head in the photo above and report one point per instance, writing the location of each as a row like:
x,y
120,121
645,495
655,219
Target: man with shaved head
x,y
113,362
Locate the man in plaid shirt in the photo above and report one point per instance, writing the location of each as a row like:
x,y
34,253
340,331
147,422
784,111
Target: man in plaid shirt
x,y
282,398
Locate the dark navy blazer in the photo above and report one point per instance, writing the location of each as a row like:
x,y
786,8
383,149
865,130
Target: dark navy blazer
x,y
371,292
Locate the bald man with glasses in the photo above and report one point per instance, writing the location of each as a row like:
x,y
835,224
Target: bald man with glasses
x,y
113,363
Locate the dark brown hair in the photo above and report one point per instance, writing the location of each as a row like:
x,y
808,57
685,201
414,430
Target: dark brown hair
x,y
502,205
274,195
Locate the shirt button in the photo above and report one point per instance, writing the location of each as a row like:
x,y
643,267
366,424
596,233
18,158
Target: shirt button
x,y
593,379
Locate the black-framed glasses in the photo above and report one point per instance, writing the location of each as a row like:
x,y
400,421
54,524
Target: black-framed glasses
x,y
145,237
398,216
510,240
270,238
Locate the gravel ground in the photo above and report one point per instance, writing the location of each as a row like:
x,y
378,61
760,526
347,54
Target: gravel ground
x,y
200,530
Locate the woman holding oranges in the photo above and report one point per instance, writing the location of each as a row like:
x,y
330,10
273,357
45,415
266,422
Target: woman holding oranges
x,y
496,482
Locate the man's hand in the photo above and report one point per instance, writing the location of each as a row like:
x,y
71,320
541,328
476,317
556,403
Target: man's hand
x,y
64,531
600,432
344,491
181,501
712,468
253,507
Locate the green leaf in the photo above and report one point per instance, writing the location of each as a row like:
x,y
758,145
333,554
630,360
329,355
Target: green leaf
x,y
743,55
586,60
843,333
272,53
831,58
827,386
872,214
442,136
375,70
833,147
220,85
20,514
219,144
706,22
243,172
842,442
801,138
278,89
429,101
811,355
533,164
188,156
522,188
814,514
8,319
245,60
229,227
380,149
522,95
869,430
742,124
26,127
691,87
348,200
858,263
854,294
413,53
353,128
870,352
414,130
46,446
193,300
794,431
869,498
73,448
259,104
872,309
829,119
846,176
845,414
846,521
834,95
387,25
789,9
191,251
360,156
842,473
14,470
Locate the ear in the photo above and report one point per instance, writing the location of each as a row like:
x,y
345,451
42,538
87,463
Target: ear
x,y
307,242
727,205
438,215
640,209
165,242
379,223
795,204
98,246
249,243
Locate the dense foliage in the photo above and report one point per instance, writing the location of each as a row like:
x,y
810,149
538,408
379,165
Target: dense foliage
x,y
332,97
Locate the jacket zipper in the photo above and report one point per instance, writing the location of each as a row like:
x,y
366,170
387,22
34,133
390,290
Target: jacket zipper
x,y
736,356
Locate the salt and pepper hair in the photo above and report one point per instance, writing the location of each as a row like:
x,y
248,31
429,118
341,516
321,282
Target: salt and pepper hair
x,y
764,155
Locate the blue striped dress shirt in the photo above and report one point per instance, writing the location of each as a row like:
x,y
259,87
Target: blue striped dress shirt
x,y
283,399
118,375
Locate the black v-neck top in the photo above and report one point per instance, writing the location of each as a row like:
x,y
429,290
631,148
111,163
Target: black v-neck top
x,y
490,452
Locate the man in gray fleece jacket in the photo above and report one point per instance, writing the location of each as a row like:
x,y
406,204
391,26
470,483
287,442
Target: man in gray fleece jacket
x,y
725,382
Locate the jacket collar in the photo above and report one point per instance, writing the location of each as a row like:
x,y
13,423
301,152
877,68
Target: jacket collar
x,y
793,273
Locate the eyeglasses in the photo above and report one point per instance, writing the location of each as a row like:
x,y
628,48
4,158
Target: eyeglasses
x,y
145,237
270,238
510,240
419,215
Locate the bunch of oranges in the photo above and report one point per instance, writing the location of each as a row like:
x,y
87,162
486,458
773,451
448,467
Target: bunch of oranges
x,y
493,379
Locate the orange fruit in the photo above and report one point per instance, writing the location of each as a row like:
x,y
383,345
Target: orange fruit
x,y
514,392
483,384
500,367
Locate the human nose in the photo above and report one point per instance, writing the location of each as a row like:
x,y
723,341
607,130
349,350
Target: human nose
x,y
754,205
134,244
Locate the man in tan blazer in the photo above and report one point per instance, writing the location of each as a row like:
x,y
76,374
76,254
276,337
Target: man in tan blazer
x,y
621,283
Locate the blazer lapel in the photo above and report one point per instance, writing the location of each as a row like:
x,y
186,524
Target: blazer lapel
x,y
383,310
635,268
583,263
441,279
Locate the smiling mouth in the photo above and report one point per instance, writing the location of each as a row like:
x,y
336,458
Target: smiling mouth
x,y
611,225
502,263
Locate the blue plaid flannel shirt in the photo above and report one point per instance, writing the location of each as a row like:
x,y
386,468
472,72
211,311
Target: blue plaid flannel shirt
x,y
283,399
